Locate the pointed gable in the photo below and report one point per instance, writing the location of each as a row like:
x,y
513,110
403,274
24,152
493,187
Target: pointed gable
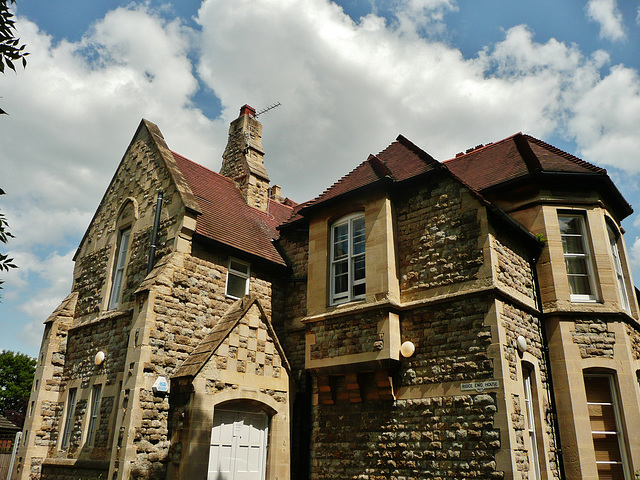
x,y
399,161
243,341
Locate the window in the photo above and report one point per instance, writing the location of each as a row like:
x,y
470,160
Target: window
x,y
95,411
237,279
606,429
617,266
71,406
530,425
118,272
348,259
577,258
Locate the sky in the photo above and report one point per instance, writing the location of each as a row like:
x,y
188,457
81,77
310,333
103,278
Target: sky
x,y
350,76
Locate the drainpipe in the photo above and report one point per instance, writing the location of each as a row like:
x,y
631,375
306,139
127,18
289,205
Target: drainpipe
x,y
547,358
154,234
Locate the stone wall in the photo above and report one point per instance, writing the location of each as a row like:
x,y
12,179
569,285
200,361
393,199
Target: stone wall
x,y
346,335
594,338
189,299
448,437
110,335
451,342
516,322
437,231
513,269
634,337
90,284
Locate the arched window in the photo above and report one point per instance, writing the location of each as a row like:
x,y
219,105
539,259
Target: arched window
x,y
127,215
348,259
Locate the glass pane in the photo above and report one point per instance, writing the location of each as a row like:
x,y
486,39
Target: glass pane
x,y
236,286
570,225
340,277
239,267
573,244
358,236
576,266
607,447
602,418
359,290
610,471
358,268
579,285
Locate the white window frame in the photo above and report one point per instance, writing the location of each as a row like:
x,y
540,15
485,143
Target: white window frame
x,y
586,255
617,268
96,398
531,424
235,272
350,258
619,433
68,418
119,267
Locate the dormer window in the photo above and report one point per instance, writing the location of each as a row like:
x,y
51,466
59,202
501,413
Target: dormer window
x,y
348,259
577,258
237,279
119,268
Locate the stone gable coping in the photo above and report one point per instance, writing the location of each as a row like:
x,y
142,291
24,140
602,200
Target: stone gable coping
x,y
65,309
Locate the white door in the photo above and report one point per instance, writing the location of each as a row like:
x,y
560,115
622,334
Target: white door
x,y
238,448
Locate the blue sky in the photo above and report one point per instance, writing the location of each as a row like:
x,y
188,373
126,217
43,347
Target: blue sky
x,y
350,76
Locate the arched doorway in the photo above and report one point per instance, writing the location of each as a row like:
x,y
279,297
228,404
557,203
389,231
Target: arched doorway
x,y
238,447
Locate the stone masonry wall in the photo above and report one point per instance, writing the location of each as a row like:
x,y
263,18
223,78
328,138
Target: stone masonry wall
x,y
110,335
594,338
513,268
451,342
437,236
517,322
91,283
448,437
346,335
634,336
190,297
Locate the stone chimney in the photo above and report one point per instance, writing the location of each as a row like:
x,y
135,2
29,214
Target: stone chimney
x,y
243,159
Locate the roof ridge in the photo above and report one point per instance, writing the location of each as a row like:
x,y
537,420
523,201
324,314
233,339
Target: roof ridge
x,y
422,155
565,155
379,167
199,165
481,146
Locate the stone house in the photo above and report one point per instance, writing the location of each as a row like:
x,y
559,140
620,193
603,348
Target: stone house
x,y
417,320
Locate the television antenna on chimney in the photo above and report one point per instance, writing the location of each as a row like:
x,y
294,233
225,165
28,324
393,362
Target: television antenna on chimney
x,y
265,110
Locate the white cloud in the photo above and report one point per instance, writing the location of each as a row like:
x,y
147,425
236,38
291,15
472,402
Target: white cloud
x,y
606,13
347,90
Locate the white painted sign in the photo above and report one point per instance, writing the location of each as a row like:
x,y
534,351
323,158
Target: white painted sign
x,y
480,386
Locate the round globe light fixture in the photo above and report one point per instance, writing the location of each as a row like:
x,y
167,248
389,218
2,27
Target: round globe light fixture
x,y
407,349
99,358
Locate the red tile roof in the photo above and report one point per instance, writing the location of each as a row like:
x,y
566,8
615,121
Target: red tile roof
x,y
399,161
226,217
514,157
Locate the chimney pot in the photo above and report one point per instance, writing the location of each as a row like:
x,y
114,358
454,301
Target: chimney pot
x,y
247,110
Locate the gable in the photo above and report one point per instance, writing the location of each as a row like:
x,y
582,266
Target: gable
x,y
242,342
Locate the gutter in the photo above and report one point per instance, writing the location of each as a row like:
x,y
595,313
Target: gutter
x,y
545,350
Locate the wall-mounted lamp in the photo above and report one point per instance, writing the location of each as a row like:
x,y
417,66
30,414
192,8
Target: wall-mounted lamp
x,y
521,343
407,349
99,358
